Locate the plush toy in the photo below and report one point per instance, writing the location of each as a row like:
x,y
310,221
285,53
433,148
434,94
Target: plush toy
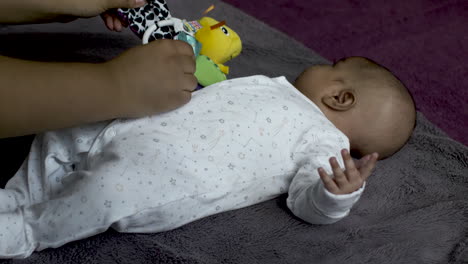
x,y
219,42
213,42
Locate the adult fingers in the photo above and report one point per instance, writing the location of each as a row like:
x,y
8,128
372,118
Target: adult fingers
x,y
182,47
125,3
187,64
190,83
117,24
108,21
171,47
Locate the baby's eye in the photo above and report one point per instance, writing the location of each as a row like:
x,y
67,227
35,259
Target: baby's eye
x,y
225,31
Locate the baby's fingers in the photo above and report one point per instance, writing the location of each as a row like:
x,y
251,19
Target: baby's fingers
x,y
368,166
351,172
328,182
339,176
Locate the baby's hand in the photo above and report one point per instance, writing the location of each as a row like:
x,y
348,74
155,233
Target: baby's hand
x,y
352,178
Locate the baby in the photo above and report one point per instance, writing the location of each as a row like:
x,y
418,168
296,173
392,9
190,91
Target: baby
x,y
237,143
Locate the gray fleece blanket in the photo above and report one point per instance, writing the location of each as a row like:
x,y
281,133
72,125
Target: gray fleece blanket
x,y
414,209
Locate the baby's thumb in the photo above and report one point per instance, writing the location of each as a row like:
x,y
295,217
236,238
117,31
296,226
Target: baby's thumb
x,y
126,3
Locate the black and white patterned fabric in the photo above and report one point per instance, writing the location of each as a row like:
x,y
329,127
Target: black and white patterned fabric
x,y
139,19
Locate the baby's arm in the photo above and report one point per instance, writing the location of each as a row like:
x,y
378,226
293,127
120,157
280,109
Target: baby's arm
x,y
330,199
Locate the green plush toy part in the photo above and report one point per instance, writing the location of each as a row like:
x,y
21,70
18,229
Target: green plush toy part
x,y
208,72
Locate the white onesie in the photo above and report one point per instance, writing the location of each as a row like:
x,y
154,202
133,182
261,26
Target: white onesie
x,y
237,143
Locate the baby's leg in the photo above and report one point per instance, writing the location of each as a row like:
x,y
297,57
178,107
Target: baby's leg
x,y
15,236
24,203
89,203
17,191
52,157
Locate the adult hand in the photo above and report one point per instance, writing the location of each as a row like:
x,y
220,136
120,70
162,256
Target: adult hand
x,y
153,78
352,178
91,8
34,11
112,20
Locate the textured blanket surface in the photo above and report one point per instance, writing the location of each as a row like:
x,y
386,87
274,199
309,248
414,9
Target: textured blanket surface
x,y
414,209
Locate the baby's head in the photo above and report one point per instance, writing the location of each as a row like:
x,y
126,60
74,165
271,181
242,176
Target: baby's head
x,y
365,101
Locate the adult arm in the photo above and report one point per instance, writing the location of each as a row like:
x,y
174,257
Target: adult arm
x,y
149,79
41,11
37,96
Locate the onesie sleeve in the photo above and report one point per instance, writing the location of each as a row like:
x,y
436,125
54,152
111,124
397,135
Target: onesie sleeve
x,y
309,200
307,197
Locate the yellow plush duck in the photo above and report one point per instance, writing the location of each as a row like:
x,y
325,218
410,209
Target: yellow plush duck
x,y
219,42
213,44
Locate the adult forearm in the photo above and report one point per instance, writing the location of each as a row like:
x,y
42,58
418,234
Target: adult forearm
x,y
28,11
38,11
39,96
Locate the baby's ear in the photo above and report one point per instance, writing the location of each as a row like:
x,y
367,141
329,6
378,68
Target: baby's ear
x,y
341,100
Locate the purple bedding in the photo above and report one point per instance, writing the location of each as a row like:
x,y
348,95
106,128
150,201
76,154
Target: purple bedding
x,y
423,41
